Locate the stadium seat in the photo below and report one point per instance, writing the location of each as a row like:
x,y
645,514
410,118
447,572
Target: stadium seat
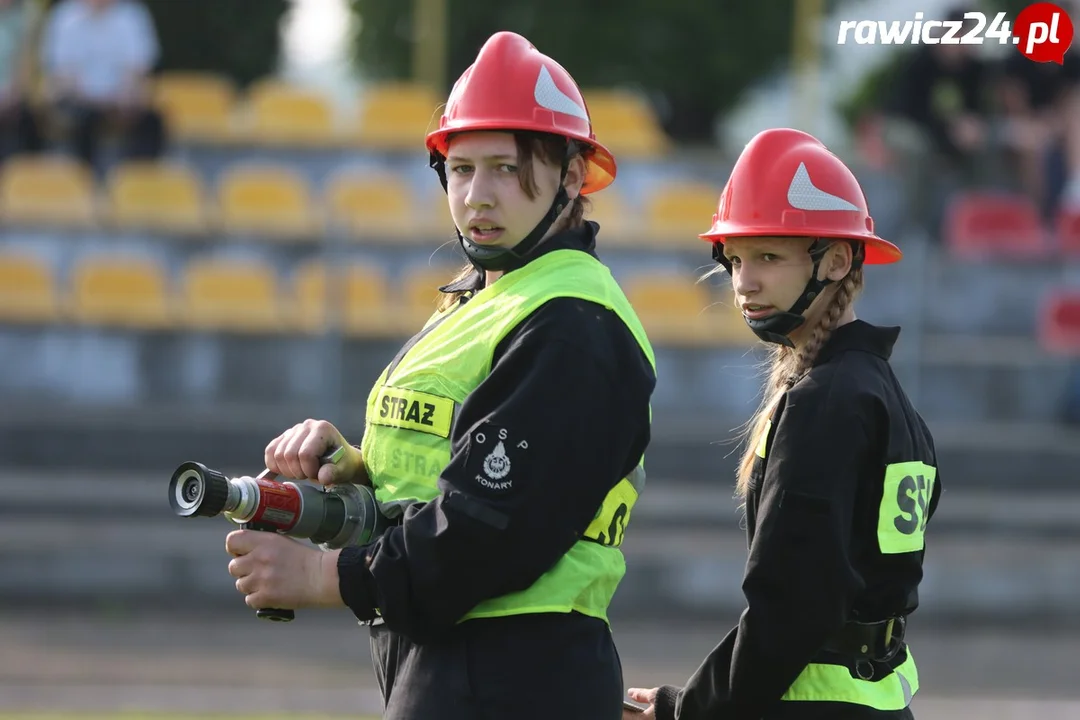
x,y
1068,232
51,191
159,197
27,290
677,212
120,292
268,201
198,107
363,297
677,310
626,124
619,223
397,116
726,323
230,295
368,311
669,306
433,219
985,225
278,113
371,205
309,312
419,293
1059,322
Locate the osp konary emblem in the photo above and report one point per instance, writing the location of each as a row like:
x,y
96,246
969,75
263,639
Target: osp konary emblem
x,y
497,463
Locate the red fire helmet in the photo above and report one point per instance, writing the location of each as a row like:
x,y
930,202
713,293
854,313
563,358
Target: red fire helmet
x,y
513,86
787,183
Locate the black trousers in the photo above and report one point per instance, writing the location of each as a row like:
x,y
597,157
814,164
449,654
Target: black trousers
x,y
514,668
142,131
20,130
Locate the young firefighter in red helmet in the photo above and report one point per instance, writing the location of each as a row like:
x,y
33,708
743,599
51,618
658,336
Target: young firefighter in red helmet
x,y
507,436
839,472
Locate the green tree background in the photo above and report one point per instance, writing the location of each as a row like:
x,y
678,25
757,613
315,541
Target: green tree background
x,y
237,38
693,59
240,38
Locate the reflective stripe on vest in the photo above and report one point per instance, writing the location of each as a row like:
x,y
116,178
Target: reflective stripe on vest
x,y
410,416
822,682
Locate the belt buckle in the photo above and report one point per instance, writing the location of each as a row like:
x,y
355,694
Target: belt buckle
x,y
895,629
894,640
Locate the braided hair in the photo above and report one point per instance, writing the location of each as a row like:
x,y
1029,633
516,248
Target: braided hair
x,y
787,366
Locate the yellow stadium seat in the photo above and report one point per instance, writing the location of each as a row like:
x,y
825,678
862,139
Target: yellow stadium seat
x,y
626,124
278,113
49,191
27,290
367,307
230,295
371,205
154,196
198,107
120,291
310,294
269,201
361,299
672,308
726,323
419,293
619,223
433,221
680,211
397,116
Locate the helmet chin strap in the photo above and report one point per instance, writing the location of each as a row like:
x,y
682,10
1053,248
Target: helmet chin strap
x,y
493,257
502,259
778,327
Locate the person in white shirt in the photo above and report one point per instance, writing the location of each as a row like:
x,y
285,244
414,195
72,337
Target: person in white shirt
x,y
19,129
97,56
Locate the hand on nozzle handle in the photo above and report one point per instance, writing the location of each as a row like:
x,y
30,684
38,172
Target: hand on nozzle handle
x,y
271,614
315,450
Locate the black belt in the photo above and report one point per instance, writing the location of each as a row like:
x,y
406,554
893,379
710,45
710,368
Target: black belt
x,y
879,641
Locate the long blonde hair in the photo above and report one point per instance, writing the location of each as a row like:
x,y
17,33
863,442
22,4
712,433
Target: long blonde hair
x,y
550,149
787,367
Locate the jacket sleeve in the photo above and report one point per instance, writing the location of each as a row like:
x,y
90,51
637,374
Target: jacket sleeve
x,y
799,582
535,449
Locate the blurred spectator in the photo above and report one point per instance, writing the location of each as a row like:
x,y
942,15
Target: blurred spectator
x,y
944,90
19,130
1041,107
937,124
97,56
